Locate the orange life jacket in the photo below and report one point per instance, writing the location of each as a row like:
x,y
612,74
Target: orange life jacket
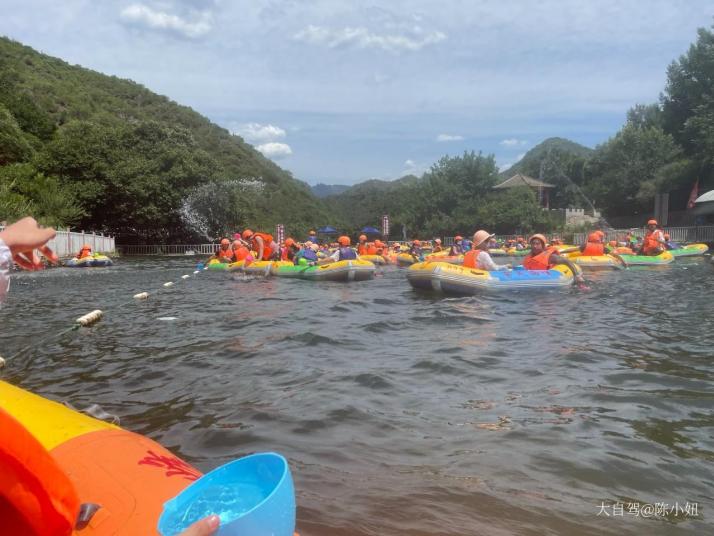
x,y
594,249
540,261
84,252
362,249
470,258
241,253
267,240
651,243
36,497
225,254
371,249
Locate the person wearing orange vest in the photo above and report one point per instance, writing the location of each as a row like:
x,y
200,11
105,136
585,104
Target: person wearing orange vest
x,y
289,251
544,258
362,246
224,252
594,246
478,257
654,242
263,244
86,251
240,252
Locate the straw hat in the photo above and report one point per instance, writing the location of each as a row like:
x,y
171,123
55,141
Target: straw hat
x,y
481,236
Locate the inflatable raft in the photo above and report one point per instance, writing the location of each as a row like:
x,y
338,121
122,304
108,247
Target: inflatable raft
x,y
648,260
596,262
374,259
690,250
128,475
451,259
450,279
405,259
92,261
217,266
345,271
263,267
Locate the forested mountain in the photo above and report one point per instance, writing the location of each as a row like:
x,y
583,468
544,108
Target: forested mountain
x,y
323,190
121,159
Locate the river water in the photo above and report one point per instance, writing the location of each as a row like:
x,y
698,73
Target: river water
x,y
403,413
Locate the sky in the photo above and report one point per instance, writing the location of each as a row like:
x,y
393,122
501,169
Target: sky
x,y
340,91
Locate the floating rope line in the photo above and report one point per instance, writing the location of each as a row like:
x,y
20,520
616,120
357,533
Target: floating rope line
x,y
86,320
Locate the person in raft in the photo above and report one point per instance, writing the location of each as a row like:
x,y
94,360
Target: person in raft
x,y
544,258
415,250
362,245
240,251
654,242
437,246
224,253
86,251
263,244
457,248
344,252
479,258
312,237
290,250
669,244
593,247
307,255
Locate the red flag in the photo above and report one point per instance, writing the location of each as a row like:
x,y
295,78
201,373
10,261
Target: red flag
x,y
693,196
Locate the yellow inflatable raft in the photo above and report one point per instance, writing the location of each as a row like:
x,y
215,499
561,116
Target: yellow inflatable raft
x,y
451,279
128,475
374,259
263,267
596,262
405,259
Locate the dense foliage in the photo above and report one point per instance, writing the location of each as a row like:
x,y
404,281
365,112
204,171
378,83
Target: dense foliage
x,y
124,158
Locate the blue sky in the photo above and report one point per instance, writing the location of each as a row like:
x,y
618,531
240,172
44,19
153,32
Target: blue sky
x,y
341,91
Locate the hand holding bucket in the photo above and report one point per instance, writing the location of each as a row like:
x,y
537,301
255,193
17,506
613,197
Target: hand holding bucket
x,y
253,496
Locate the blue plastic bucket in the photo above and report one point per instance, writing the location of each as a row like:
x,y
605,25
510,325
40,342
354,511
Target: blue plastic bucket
x,y
254,496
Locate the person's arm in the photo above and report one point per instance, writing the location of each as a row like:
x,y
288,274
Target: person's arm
x,y
261,247
557,259
203,527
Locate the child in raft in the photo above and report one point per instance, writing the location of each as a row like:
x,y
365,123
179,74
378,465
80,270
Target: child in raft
x,y
479,257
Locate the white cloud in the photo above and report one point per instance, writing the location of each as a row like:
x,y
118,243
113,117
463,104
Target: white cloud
x,y
449,137
257,133
361,37
146,17
275,150
513,142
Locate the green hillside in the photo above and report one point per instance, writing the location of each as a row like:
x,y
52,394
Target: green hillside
x,y
125,160
560,162
323,190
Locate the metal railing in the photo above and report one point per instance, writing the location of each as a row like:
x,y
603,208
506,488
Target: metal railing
x,y
68,243
676,234
167,249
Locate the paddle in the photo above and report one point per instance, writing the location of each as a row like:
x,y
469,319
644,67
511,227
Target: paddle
x,y
619,258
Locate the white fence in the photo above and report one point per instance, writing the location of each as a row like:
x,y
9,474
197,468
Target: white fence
x,y
168,249
68,243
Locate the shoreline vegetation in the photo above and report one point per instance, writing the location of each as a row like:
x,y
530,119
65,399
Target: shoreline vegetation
x,y
98,152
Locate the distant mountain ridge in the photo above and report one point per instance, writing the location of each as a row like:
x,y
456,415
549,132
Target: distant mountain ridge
x,y
530,163
323,190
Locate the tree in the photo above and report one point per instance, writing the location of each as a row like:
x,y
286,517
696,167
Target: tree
x,y
627,170
13,145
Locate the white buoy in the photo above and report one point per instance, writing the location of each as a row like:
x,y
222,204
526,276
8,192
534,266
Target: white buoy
x,y
185,276
169,284
197,271
90,318
141,295
2,362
